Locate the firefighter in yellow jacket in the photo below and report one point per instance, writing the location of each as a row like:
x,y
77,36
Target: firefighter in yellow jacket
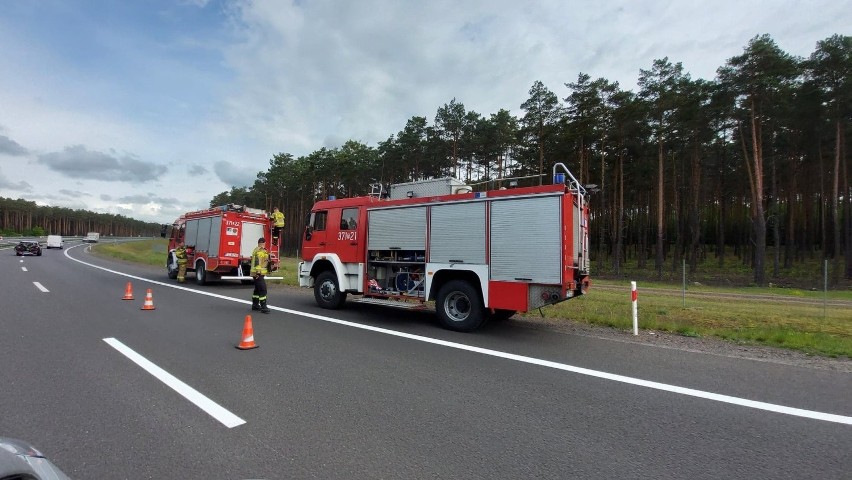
x,y
259,262
180,255
277,226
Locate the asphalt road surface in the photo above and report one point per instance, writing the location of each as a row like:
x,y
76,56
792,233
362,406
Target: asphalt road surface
x,y
371,392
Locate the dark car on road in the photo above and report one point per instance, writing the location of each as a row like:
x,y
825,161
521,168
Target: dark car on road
x,y
28,248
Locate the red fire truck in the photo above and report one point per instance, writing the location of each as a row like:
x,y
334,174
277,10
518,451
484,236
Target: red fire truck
x,y
219,242
478,255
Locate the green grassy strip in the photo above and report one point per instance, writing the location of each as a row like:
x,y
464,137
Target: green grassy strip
x,y
747,321
147,252
763,322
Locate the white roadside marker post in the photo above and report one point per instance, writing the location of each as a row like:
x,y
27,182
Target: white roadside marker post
x,y
635,308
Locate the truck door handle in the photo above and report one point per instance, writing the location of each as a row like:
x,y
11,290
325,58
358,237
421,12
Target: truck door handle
x,y
353,243
322,243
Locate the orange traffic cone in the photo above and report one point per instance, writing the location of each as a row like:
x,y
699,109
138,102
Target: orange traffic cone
x,y
149,301
248,336
128,292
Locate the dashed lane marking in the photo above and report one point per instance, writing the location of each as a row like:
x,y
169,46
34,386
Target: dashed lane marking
x,y
41,287
716,397
200,400
24,269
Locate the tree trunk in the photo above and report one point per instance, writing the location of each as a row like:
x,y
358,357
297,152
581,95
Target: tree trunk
x,y
757,194
619,225
694,223
723,206
658,263
677,215
822,239
835,207
776,220
848,195
790,243
540,153
603,210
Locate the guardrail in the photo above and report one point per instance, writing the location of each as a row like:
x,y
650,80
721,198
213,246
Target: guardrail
x,y
7,241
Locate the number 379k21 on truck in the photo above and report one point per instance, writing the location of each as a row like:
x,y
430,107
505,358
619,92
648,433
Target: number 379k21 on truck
x,y
477,255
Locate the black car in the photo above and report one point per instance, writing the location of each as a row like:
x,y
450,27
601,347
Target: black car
x,y
28,248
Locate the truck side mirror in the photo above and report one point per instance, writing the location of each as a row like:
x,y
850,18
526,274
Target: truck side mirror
x,y
308,232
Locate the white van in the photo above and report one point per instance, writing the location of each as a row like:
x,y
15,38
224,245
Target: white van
x,y
54,241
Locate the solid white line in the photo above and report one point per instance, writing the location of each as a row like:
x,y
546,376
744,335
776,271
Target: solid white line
x,y
40,287
212,408
24,268
771,407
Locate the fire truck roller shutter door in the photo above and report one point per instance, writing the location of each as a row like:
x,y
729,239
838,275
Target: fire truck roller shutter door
x,y
191,235
398,228
215,234
526,239
457,233
251,231
202,241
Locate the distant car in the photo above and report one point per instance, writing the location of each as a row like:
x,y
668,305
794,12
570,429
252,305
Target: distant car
x,y
27,247
20,460
55,241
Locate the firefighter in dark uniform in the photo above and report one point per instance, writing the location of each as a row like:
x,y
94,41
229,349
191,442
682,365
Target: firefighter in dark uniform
x,y
259,262
180,254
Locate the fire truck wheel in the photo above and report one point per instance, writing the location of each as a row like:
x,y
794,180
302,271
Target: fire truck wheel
x,y
459,307
200,274
171,267
326,291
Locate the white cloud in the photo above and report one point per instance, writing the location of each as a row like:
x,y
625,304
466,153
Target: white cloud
x,y
79,162
196,170
310,74
203,97
235,175
11,147
20,186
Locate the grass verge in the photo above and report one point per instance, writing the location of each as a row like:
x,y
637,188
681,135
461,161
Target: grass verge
x,y
761,321
752,321
147,252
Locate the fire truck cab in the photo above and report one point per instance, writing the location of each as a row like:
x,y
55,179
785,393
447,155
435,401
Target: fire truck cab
x,y
219,242
478,255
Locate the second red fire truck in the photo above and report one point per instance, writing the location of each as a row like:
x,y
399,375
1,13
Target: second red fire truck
x,y
478,255
219,242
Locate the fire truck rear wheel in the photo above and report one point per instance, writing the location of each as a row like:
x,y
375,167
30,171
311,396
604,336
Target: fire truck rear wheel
x,y
327,292
459,307
170,263
200,274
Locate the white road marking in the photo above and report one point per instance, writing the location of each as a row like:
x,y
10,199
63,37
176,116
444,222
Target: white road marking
x,y
24,268
212,408
771,407
40,287
22,260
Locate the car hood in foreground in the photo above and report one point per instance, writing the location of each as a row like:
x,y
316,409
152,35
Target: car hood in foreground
x,y
18,457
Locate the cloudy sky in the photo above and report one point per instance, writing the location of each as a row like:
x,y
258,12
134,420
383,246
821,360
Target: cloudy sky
x,y
149,108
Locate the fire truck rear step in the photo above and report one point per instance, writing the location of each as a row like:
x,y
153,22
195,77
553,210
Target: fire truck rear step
x,y
391,303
